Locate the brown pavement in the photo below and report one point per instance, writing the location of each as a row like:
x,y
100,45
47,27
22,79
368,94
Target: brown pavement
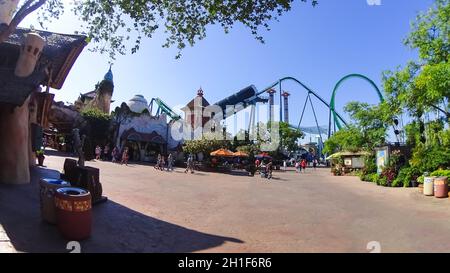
x,y
155,211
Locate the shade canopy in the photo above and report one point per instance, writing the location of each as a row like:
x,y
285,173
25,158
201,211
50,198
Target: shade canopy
x,y
342,154
222,152
263,156
240,154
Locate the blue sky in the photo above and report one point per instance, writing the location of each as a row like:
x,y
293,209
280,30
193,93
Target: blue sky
x,y
316,45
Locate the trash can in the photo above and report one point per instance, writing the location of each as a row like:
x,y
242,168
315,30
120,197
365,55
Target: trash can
x,y
428,186
441,187
48,187
74,213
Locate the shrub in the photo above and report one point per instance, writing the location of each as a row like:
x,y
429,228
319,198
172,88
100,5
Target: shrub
x,y
430,158
382,181
421,178
441,173
371,177
389,174
405,176
370,165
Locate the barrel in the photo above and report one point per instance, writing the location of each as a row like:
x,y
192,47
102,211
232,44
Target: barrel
x,y
428,186
441,187
47,191
74,213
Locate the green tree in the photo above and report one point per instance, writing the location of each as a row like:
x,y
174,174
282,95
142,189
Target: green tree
x,y
347,139
424,84
95,126
369,128
110,24
206,145
289,137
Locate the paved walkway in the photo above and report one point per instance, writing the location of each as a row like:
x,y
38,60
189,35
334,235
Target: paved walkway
x,y
154,211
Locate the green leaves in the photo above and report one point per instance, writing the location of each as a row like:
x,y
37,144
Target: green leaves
x,y
431,32
424,85
349,139
111,23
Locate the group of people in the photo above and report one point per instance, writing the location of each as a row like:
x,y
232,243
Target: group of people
x,y
161,163
116,156
300,166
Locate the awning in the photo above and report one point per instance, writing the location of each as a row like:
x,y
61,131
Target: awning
x,y
133,135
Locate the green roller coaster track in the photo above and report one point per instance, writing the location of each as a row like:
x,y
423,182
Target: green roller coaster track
x,y
333,97
166,109
338,119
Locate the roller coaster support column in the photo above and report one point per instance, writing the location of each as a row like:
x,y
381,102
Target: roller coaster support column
x,y
271,93
281,108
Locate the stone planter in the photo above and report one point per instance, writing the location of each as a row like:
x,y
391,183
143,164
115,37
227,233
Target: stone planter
x,y
41,160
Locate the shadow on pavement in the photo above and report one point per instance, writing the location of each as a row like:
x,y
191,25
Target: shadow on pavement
x,y
116,228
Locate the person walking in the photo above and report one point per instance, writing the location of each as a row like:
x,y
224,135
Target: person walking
x,y
114,155
158,162
169,163
125,157
303,165
269,169
98,152
106,153
190,164
162,163
315,163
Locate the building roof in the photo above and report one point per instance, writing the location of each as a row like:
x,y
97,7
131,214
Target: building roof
x,y
59,54
109,75
203,102
90,94
137,104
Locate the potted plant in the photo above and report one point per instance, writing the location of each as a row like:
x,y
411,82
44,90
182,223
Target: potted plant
x,y
337,171
40,156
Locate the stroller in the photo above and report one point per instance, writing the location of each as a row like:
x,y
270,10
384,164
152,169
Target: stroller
x,y
265,173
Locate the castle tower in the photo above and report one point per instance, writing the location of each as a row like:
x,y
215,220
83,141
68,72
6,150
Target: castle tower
x,y
105,92
271,93
286,106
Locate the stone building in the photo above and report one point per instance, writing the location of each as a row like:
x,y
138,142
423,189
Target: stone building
x,y
195,116
144,134
100,98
